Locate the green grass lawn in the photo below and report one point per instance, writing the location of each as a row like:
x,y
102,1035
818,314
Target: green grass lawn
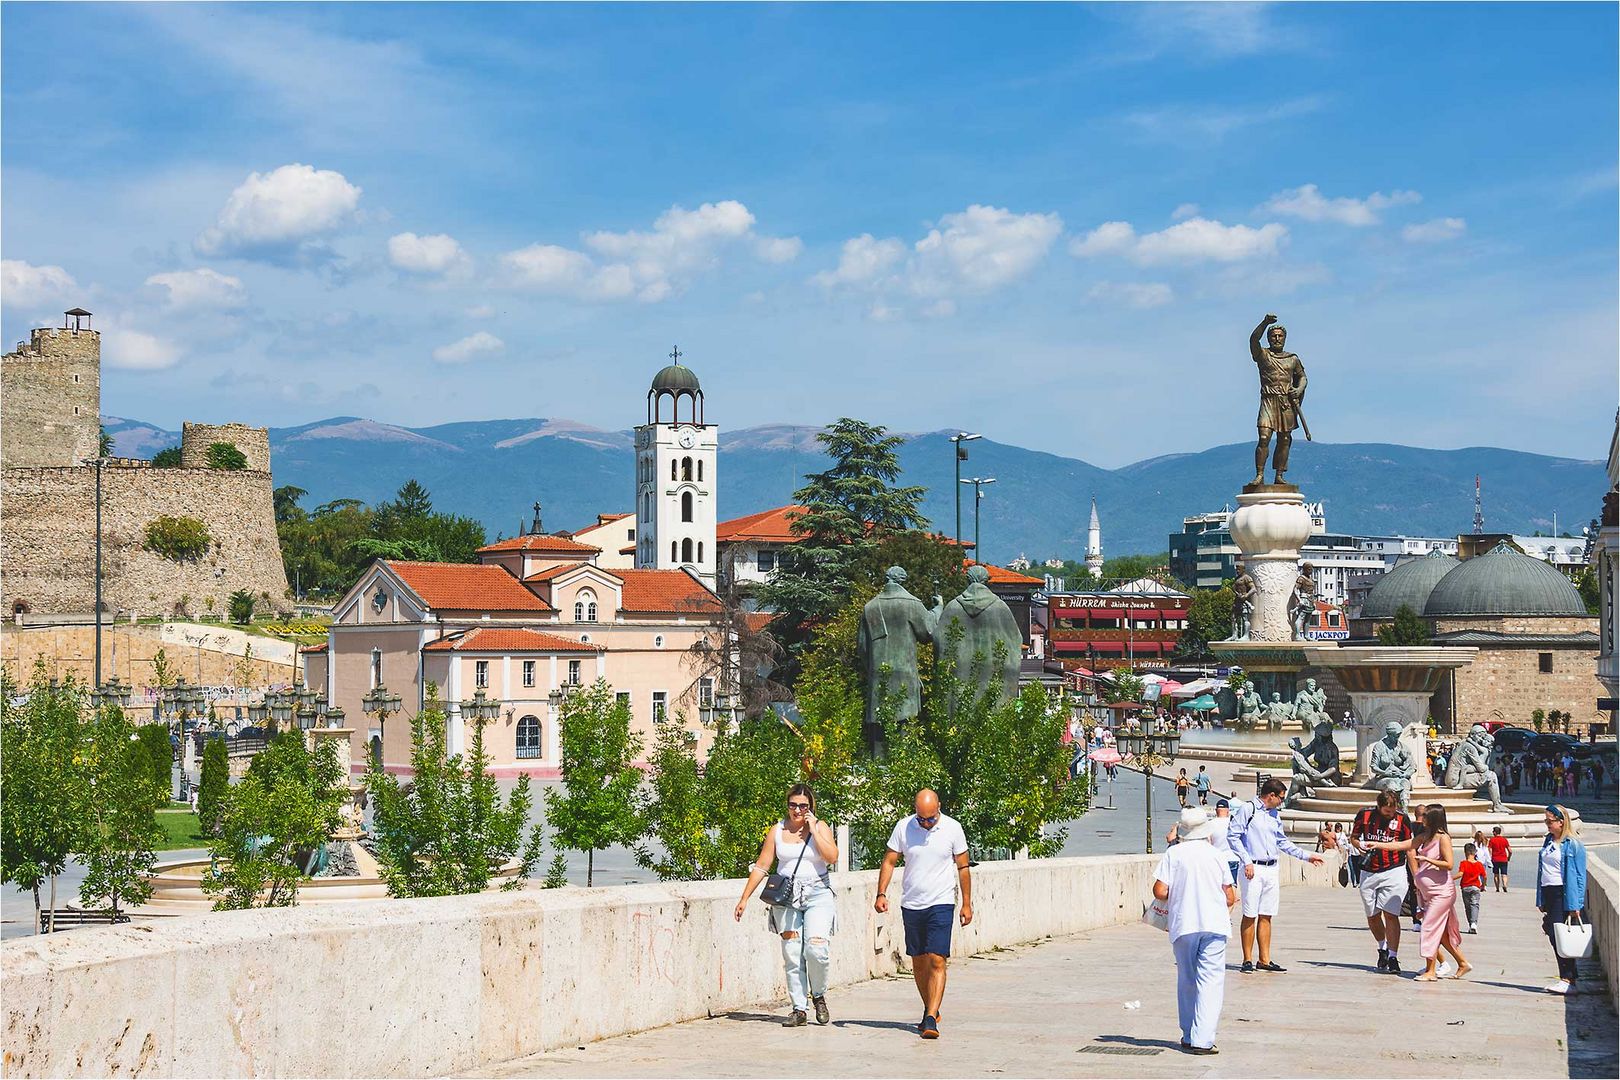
x,y
180,830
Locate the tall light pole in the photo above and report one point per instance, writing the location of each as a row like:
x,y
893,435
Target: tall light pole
x,y
98,461
1149,747
978,483
961,455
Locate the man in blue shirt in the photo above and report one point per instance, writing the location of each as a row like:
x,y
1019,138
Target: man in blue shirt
x,y
1258,839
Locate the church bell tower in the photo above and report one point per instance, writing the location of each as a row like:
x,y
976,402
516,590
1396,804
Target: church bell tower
x,y
676,454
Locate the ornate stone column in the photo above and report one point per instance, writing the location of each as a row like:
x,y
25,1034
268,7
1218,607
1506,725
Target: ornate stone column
x,y
1269,527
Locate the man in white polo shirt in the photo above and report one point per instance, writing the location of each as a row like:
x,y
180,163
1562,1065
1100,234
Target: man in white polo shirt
x,y
936,853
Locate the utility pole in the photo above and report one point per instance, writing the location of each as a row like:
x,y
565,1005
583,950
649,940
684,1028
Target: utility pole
x,y
98,461
961,455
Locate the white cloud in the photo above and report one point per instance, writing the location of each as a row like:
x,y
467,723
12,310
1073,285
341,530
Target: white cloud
x,y
135,350
1434,232
468,348
1133,294
1191,241
778,249
280,213
980,249
437,255
1309,203
200,288
863,259
649,266
1182,122
1184,211
25,285
481,311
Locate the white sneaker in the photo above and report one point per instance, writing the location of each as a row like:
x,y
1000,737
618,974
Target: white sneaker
x,y
1558,986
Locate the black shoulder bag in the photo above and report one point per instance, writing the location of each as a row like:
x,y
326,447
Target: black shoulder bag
x,y
778,888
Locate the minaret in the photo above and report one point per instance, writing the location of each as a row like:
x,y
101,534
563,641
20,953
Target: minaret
x,y
1479,512
675,479
1094,559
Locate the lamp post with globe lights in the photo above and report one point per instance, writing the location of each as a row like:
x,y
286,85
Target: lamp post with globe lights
x,y
1149,746
380,703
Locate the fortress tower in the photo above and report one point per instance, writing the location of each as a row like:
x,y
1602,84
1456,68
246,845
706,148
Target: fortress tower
x,y
50,396
676,510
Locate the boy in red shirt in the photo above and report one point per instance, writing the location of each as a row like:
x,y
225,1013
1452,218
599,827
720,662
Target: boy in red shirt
x,y
1472,872
1501,852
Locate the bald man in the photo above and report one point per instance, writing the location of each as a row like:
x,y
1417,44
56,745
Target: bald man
x,y
936,853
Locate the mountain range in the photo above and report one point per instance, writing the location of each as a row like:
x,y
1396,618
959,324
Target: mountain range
x,y
494,470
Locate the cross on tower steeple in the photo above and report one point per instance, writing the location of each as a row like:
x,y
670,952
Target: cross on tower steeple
x,y
675,353
534,530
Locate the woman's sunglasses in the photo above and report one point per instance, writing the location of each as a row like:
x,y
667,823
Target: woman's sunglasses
x,y
798,806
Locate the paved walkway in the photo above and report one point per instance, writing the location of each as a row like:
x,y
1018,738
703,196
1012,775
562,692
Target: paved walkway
x,y
1103,1004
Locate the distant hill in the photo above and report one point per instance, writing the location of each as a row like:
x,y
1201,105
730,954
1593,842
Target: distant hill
x,y
494,469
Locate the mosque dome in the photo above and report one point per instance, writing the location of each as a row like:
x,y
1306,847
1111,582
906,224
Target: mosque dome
x,y
1409,584
1504,581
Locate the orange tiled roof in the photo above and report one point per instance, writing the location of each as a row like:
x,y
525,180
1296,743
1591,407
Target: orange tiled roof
x,y
666,590
1000,575
628,549
541,544
508,640
321,647
557,571
758,620
768,526
466,586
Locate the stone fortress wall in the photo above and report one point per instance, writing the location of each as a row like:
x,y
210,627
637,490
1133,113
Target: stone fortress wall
x,y
48,528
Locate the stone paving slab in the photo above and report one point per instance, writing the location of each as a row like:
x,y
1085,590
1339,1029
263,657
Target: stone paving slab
x,y
1060,1009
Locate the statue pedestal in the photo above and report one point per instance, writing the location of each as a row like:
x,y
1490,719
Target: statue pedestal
x,y
352,815
1391,684
1269,527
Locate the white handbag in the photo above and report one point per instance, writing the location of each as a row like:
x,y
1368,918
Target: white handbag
x,y
1573,940
1156,913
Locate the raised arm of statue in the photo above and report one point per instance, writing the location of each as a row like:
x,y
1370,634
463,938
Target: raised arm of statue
x,y
1256,339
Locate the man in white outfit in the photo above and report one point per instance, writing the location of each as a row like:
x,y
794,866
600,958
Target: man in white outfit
x,y
1196,884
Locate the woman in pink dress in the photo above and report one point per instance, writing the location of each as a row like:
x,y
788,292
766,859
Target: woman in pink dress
x,y
1432,861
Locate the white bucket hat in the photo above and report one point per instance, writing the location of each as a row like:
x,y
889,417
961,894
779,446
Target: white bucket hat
x,y
1194,824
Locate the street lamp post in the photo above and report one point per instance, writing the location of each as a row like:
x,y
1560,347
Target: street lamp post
x,y
381,704
961,455
1150,746
98,461
979,483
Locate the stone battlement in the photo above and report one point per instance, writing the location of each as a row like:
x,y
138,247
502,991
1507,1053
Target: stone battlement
x,y
195,439
53,342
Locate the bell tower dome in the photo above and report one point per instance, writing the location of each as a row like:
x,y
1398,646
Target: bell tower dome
x,y
676,454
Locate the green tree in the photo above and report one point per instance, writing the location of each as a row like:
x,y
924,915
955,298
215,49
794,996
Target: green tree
x,y
675,812
285,499
167,458
1131,567
1127,685
745,780
213,785
41,797
933,564
1209,618
447,832
120,820
1586,582
242,602
104,444
273,821
407,550
849,509
1538,718
162,671
1407,628
154,740
596,806
225,456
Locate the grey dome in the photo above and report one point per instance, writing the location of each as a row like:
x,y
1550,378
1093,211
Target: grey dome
x,y
1504,582
1409,584
676,377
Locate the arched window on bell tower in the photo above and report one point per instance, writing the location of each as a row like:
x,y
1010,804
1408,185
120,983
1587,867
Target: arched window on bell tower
x,y
686,550
686,506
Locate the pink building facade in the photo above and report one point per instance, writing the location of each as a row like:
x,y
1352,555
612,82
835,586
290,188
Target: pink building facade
x,y
533,620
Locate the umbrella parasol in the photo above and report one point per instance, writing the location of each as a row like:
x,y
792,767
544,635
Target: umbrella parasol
x,y
1201,703
1105,755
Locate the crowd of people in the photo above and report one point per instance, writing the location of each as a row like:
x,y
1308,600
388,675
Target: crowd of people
x,y
1402,863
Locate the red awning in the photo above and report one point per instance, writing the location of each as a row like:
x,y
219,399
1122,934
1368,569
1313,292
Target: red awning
x,y
1108,646
1065,646
1143,613
1150,647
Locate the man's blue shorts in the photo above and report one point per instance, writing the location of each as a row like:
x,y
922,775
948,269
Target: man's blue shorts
x,y
928,930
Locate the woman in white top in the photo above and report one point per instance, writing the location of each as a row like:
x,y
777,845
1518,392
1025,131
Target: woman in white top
x,y
804,847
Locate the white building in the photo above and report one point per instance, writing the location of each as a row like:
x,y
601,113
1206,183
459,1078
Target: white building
x,y
675,478
1397,549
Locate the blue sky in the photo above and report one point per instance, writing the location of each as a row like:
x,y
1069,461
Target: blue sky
x,y
1056,225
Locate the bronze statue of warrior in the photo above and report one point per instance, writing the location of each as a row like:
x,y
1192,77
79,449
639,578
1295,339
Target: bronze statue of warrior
x,y
1282,391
